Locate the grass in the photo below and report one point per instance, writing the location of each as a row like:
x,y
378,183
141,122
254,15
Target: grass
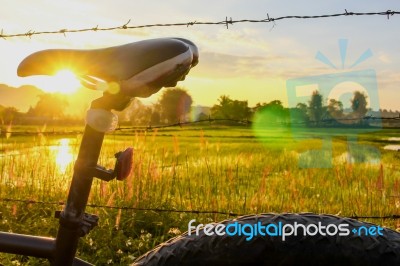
x,y
229,169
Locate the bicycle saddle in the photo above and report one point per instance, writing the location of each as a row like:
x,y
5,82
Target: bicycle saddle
x,y
140,68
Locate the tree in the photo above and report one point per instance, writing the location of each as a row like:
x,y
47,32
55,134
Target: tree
x,y
240,110
136,113
223,109
8,114
315,107
359,104
230,109
155,117
302,107
298,114
175,104
271,113
335,109
50,105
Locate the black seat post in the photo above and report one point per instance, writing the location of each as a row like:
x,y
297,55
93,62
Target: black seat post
x,y
71,217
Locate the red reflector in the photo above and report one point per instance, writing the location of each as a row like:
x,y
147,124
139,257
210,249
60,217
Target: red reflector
x,y
123,167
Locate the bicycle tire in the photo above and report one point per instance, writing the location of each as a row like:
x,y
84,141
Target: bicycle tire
x,y
353,249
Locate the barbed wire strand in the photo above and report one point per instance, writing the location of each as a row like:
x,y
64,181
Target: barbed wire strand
x,y
249,122
232,214
227,22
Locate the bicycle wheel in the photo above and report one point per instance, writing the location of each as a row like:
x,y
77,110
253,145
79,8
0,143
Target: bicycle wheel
x,y
364,244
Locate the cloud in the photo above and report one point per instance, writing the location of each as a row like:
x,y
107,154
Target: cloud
x,y
384,57
218,66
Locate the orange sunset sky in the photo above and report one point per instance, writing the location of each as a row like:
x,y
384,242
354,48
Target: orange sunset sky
x,y
248,61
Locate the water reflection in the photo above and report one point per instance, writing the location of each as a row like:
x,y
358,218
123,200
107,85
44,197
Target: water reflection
x,y
63,155
369,158
392,147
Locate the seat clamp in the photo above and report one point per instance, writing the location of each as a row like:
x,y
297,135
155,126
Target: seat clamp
x,y
101,120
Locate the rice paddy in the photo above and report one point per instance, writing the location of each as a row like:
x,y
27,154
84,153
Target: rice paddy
x,y
210,168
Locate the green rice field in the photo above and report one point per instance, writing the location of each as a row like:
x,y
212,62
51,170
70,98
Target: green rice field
x,y
236,170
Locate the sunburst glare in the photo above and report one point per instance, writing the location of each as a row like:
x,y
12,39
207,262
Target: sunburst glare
x,y
64,81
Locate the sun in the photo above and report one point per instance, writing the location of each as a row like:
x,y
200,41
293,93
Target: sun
x,y
64,81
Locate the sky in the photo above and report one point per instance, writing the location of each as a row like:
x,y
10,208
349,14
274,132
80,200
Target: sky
x,y
248,61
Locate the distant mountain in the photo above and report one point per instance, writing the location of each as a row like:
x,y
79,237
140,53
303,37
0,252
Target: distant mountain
x,y
21,98
26,96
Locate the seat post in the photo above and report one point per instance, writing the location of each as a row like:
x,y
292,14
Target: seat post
x,y
72,216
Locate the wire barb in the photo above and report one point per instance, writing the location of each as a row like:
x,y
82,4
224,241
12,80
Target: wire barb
x,y
191,23
63,32
125,26
349,13
29,33
227,22
390,13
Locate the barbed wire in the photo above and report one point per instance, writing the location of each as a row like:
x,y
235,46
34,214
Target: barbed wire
x,y
125,208
249,122
61,203
227,22
180,124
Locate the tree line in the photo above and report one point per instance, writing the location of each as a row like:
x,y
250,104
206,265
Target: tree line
x,y
175,105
